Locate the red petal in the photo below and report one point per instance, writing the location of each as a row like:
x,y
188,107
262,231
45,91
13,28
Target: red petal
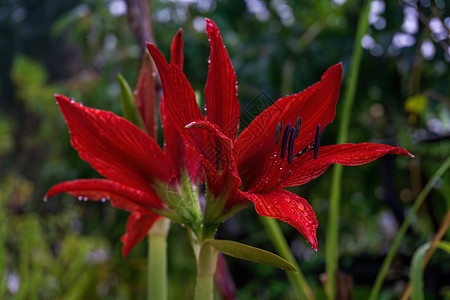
x,y
220,91
217,158
179,98
138,225
176,50
255,146
181,109
305,168
175,148
120,196
146,96
114,147
289,208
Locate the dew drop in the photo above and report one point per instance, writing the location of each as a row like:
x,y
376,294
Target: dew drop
x,y
45,199
80,198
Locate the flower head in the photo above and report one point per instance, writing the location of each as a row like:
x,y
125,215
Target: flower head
x,y
280,148
140,177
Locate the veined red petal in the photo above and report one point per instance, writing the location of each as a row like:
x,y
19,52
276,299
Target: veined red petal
x,y
138,225
146,96
219,149
220,91
255,147
179,98
120,196
176,150
114,147
289,208
217,159
176,49
305,168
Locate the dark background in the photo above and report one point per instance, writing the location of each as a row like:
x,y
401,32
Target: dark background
x,y
65,248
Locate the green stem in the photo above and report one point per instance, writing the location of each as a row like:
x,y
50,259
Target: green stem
x,y
332,238
297,280
401,232
157,260
206,267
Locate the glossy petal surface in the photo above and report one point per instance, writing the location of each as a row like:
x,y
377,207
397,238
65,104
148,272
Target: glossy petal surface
x,y
176,50
120,196
114,147
179,98
146,96
305,168
289,208
217,159
220,91
138,225
256,152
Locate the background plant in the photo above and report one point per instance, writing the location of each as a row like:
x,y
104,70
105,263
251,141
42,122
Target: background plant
x,y
78,47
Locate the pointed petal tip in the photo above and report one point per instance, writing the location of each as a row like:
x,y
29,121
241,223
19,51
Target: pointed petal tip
x,y
59,97
125,248
151,47
210,26
314,244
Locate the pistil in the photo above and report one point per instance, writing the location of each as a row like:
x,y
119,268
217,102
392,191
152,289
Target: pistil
x,y
292,136
285,140
317,142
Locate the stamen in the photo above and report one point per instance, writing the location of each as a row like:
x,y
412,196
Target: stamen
x,y
317,142
285,140
298,125
291,144
278,133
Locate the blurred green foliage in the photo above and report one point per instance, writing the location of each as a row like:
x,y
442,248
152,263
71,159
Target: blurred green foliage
x,y
67,250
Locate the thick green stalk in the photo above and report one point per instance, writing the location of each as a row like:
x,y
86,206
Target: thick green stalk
x,y
297,279
206,267
332,238
401,232
157,260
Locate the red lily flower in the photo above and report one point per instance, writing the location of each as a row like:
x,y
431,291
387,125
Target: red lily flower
x,y
253,166
139,174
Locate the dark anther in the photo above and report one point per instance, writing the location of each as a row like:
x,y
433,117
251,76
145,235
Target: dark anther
x,y
291,144
298,125
317,142
278,133
285,140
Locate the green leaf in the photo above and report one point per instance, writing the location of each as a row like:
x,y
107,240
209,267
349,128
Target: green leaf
x,y
250,253
444,245
129,109
416,273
